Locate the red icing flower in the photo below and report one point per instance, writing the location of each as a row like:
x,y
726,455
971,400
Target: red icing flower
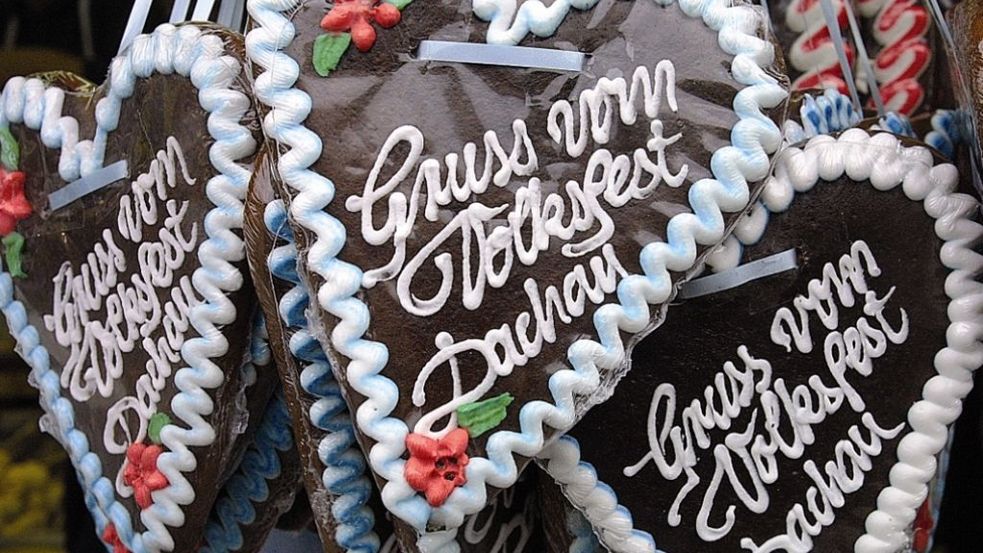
x,y
13,204
436,467
111,538
141,472
357,16
923,528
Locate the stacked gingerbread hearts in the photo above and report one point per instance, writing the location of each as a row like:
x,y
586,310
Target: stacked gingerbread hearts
x,y
493,276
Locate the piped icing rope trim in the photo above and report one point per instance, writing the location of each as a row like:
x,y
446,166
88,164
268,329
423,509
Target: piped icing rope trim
x,y
508,25
945,134
189,52
248,486
830,112
753,137
611,521
344,464
882,160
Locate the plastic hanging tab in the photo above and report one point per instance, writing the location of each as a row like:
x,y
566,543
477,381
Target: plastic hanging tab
x,y
832,23
740,275
864,60
135,24
498,54
97,180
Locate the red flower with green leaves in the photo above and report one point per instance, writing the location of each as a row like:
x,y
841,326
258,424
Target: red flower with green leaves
x,y
357,16
14,206
111,538
141,474
436,467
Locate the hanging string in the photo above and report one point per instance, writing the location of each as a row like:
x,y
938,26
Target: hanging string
x,y
833,25
864,60
135,24
203,10
179,12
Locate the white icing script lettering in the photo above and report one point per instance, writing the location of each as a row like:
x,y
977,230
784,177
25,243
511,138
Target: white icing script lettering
x,y
100,314
493,238
747,460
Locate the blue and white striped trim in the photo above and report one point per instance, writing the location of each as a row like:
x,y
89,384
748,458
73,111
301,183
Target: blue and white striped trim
x,y
343,474
753,137
190,52
829,112
249,486
882,160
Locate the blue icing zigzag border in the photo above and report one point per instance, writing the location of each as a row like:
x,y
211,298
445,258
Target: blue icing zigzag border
x,y
248,485
344,464
888,165
193,53
753,137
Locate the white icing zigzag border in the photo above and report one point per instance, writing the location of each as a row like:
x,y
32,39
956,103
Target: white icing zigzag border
x,y
882,160
191,52
753,137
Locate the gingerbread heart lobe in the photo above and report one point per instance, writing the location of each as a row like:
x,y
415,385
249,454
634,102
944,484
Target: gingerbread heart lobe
x,y
485,241
779,413
130,298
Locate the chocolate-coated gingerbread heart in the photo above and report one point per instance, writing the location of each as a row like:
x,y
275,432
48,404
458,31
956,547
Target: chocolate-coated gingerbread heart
x,y
798,402
345,503
487,241
123,279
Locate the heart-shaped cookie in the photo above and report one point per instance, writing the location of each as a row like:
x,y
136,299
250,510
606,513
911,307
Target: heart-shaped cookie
x,y
426,178
123,279
807,412
345,503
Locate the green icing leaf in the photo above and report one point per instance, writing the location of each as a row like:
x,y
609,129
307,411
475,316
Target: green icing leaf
x,y
157,423
13,245
9,150
481,416
399,3
328,49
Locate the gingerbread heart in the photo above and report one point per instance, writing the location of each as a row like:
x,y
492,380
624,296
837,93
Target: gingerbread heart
x,y
345,503
807,410
124,279
427,178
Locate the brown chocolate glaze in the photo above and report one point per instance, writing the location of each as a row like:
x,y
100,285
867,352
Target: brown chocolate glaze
x,y
704,333
966,21
161,106
510,518
371,94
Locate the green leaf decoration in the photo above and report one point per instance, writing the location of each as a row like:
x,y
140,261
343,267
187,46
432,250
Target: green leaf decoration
x,y
157,423
13,245
9,150
400,4
328,49
481,416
